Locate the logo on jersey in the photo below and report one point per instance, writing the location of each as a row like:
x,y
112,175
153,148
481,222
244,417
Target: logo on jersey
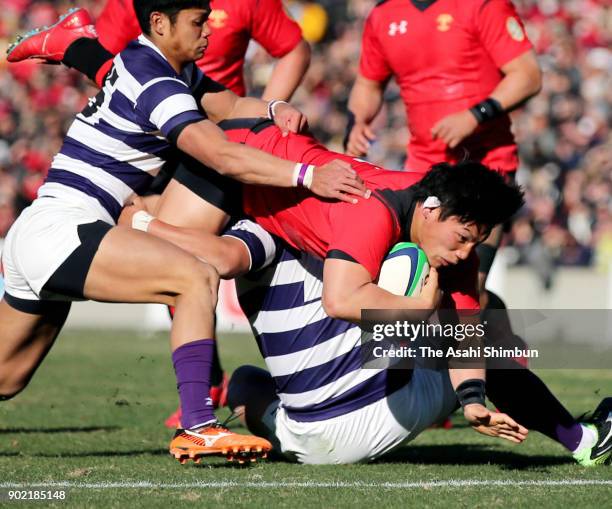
x,y
444,22
217,18
398,28
515,29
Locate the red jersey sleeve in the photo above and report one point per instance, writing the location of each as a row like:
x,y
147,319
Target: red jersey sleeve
x,y
117,25
274,29
501,31
364,232
372,64
460,285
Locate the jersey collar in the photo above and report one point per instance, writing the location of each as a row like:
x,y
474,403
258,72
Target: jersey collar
x,y
147,42
402,204
421,6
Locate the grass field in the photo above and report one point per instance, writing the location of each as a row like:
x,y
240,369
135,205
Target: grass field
x,y
92,420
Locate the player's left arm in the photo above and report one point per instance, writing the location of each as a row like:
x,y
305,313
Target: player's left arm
x,y
469,381
503,37
288,73
469,384
229,255
220,104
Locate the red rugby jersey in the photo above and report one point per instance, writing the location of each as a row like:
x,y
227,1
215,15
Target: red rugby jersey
x,y
232,22
364,232
445,56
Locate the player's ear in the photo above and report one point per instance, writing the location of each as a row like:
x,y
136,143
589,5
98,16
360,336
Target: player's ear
x,y
158,22
427,213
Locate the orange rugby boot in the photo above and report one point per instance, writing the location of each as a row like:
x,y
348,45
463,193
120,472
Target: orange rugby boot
x,y
217,440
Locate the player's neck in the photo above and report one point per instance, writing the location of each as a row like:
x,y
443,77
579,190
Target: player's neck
x,y
417,224
177,64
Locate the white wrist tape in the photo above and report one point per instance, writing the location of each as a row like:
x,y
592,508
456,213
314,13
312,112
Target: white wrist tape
x,y
141,220
302,175
309,176
272,108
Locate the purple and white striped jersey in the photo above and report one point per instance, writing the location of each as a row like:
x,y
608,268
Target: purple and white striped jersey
x,y
118,143
315,360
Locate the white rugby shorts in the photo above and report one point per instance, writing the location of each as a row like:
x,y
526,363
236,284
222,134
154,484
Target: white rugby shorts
x,y
43,237
371,431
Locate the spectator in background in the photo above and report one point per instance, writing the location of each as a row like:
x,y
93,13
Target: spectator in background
x,y
461,68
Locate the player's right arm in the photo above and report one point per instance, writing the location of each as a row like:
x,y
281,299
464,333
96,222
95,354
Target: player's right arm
x,y
348,288
360,238
366,96
208,144
365,101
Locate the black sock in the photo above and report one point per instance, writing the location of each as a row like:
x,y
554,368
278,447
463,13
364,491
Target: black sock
x,y
525,398
86,55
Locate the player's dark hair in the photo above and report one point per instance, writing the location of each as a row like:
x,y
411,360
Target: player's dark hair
x,y
470,191
171,8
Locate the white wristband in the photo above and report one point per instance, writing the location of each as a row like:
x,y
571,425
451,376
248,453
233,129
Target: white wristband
x,y
296,173
309,176
302,175
141,220
272,107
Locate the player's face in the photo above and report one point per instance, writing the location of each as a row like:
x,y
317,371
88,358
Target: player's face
x,y
449,241
188,35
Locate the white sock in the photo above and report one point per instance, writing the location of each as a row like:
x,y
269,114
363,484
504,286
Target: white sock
x,y
589,437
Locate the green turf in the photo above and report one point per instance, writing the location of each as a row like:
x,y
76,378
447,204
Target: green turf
x,y
94,410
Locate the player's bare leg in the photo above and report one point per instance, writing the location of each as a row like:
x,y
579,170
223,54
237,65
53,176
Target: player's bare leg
x,y
179,206
25,340
153,270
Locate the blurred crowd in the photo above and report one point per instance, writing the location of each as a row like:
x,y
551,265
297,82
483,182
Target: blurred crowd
x,y
564,133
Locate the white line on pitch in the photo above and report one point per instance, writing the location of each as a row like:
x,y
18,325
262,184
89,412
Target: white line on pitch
x,y
465,483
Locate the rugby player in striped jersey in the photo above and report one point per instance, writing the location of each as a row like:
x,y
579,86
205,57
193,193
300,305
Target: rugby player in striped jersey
x,y
304,288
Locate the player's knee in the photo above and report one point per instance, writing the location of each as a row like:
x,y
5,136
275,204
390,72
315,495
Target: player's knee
x,y
247,381
200,277
9,389
6,397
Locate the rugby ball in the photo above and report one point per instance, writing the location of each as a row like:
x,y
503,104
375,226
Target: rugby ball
x,y
404,270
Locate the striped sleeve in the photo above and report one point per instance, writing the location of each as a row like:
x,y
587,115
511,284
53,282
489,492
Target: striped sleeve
x,y
169,105
262,246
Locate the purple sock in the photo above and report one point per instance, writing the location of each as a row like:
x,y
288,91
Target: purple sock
x,y
569,437
192,365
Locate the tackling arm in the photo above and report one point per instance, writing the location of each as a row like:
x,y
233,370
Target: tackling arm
x,y
208,144
228,255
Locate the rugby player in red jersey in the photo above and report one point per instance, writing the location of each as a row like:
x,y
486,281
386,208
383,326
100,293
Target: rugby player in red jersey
x,y
447,212
461,67
233,24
